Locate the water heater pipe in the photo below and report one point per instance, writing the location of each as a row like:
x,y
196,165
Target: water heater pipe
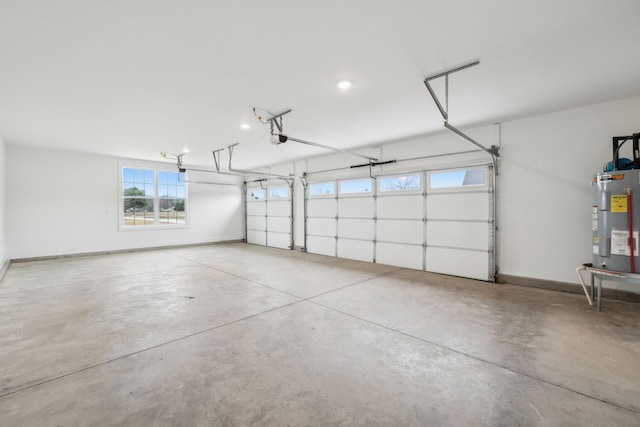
x,y
584,287
630,219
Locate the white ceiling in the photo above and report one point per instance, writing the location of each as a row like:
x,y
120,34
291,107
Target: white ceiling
x,y
133,78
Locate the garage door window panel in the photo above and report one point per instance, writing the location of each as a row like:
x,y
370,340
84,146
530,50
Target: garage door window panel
x,y
356,187
458,179
256,194
279,193
322,189
400,183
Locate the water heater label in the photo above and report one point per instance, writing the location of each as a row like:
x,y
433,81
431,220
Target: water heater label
x,y
619,203
594,218
620,243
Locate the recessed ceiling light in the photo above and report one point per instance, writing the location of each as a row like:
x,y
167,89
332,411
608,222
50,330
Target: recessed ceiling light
x,y
185,150
344,85
245,126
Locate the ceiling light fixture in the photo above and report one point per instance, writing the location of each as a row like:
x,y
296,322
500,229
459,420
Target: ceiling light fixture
x,y
344,85
245,126
185,150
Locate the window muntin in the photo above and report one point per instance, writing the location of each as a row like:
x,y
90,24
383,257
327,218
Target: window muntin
x,y
152,198
256,193
141,179
319,189
355,186
459,178
400,183
278,192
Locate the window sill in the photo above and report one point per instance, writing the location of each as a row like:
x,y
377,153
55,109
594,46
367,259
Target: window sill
x,y
153,227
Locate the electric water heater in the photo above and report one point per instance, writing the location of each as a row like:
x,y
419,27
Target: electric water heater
x,y
616,211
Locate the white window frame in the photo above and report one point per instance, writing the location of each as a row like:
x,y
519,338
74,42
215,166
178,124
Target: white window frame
x,y
156,201
270,196
420,176
455,188
259,199
326,196
356,193
160,197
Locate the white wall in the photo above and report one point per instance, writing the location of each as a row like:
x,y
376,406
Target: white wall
x,y
544,188
67,203
3,204
548,163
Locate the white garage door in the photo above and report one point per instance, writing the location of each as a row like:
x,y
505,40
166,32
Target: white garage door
x,y
340,219
322,218
268,216
400,220
439,221
356,213
459,222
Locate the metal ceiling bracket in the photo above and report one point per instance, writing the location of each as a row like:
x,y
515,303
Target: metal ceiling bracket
x,y
276,119
184,170
180,165
216,158
494,151
445,110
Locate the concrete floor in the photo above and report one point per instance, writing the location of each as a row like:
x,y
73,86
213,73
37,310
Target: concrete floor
x,y
237,334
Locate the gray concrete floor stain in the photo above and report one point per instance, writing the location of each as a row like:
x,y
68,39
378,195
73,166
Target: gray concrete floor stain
x,y
238,334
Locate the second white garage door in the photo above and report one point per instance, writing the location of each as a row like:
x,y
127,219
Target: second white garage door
x,y
439,221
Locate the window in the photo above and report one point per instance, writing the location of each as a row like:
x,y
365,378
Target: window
x,y
457,178
400,183
171,198
356,186
322,189
151,198
279,192
256,193
138,191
